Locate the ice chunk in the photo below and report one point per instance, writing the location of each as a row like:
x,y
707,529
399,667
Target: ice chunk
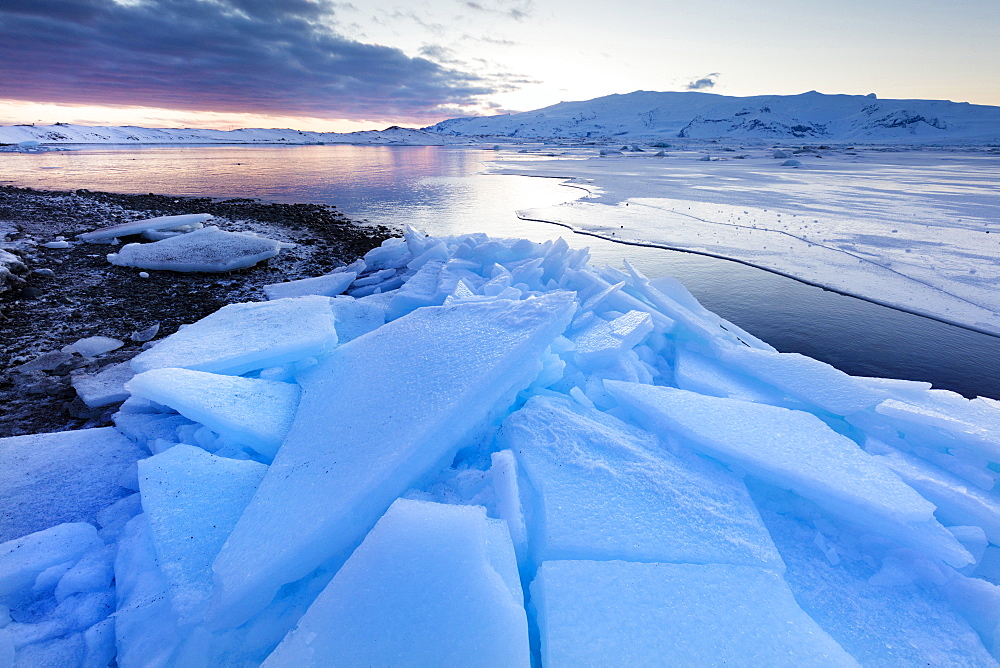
x,y
23,559
951,421
503,476
92,346
957,503
66,476
648,614
601,341
791,163
795,450
329,285
105,387
192,500
147,333
354,317
901,625
244,337
605,490
425,588
420,290
805,378
698,373
189,220
209,249
250,411
432,380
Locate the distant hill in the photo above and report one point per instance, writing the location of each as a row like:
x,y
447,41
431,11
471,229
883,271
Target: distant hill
x,y
809,116
83,134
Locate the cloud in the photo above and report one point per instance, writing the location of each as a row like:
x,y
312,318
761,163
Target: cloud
x,y
515,9
704,83
248,56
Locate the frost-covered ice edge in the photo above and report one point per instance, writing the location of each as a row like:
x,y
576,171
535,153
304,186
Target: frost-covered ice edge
x,y
486,450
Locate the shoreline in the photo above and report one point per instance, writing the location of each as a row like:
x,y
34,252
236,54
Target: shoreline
x,y
78,293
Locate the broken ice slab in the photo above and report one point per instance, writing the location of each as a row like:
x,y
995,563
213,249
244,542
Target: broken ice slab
x,y
209,250
601,342
795,450
189,220
431,585
104,388
376,416
24,558
92,346
597,488
250,411
804,378
244,337
354,317
328,286
193,500
66,476
948,420
899,625
649,614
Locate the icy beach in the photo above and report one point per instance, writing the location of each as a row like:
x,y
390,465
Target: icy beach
x,y
488,452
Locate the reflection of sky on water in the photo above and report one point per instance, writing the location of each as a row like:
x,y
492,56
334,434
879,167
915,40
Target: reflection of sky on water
x,y
429,188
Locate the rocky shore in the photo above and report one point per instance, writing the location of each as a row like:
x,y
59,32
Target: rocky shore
x,y
53,297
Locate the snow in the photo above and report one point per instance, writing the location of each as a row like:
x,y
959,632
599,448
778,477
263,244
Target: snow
x,y
208,249
491,452
810,116
431,584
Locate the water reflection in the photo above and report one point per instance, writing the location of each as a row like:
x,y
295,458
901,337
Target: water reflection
x,y
433,188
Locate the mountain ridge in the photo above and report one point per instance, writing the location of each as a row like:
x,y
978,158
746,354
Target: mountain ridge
x,y
698,115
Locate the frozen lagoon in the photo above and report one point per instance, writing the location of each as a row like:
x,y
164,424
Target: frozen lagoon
x,y
437,189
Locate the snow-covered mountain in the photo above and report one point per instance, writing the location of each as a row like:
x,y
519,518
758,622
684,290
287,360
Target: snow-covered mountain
x,y
811,116
81,134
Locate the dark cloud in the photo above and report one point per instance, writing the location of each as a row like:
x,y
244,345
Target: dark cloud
x,y
704,83
255,56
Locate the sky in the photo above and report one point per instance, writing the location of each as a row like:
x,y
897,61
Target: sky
x,y
344,66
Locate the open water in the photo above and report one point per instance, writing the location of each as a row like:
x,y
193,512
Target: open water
x,y
438,190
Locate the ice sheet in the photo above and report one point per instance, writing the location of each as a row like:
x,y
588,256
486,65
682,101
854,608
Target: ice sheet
x,y
250,411
649,614
67,476
192,500
796,451
603,489
423,589
434,377
244,337
907,229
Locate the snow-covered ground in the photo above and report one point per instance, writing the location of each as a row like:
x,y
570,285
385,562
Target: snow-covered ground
x,y
810,116
914,229
490,452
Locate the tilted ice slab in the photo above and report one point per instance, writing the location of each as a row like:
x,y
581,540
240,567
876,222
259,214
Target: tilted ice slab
x,y
244,337
431,585
796,451
65,476
376,416
598,488
24,558
250,411
620,613
329,285
181,222
209,249
105,387
192,500
841,222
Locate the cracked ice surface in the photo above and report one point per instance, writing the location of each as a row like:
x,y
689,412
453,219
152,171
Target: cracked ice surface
x,y
914,230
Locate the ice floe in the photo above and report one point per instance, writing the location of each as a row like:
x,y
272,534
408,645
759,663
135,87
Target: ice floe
x,y
208,249
490,452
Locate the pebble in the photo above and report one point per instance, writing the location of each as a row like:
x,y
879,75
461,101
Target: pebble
x,y
44,272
